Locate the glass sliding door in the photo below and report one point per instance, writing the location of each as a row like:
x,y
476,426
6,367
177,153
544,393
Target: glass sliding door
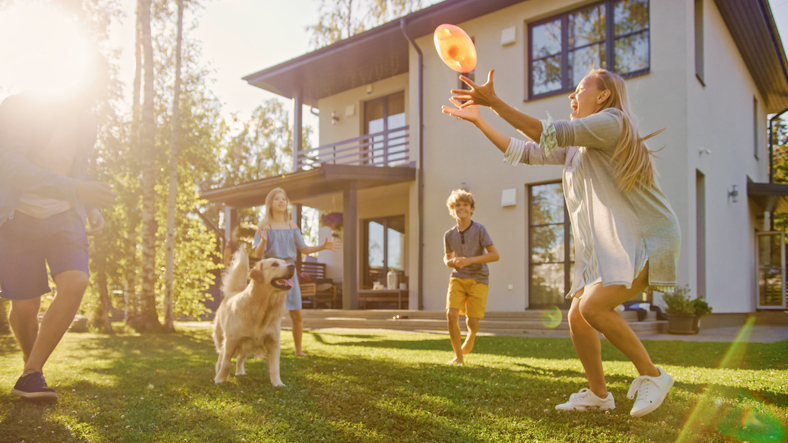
x,y
384,246
383,119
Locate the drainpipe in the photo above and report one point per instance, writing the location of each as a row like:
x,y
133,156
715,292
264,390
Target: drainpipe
x,y
420,172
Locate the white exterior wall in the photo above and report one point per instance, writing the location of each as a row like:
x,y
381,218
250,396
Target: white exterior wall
x,y
717,117
721,120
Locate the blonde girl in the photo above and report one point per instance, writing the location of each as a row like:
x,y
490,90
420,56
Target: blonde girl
x,y
277,236
626,235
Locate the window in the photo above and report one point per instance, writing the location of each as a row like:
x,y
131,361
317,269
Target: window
x,y
382,118
613,34
384,243
551,249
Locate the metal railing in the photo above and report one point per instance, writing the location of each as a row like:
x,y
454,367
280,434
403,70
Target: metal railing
x,y
388,148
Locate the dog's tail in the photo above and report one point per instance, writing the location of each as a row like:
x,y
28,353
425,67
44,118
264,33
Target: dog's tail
x,y
234,278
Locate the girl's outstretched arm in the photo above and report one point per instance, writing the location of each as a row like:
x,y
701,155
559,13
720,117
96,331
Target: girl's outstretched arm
x,y
471,114
484,95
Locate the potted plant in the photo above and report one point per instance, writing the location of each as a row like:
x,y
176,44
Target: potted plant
x,y
683,312
333,221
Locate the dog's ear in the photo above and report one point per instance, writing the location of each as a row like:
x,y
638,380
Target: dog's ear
x,y
256,274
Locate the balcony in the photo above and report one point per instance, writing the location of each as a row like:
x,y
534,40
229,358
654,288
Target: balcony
x,y
389,148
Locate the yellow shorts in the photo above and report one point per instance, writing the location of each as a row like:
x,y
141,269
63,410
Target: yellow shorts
x,y
467,295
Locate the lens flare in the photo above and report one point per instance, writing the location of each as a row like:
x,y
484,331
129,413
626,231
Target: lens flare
x,y
551,317
742,416
51,52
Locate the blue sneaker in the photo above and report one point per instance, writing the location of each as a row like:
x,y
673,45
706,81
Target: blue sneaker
x,y
33,386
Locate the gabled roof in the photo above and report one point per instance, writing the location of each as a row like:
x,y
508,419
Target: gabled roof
x,y
383,52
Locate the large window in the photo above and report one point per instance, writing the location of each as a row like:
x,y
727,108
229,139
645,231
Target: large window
x,y
383,117
551,255
384,243
613,34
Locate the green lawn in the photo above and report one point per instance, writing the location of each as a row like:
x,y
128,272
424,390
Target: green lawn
x,y
387,387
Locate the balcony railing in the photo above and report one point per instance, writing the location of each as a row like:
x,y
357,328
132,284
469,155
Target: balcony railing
x,y
388,148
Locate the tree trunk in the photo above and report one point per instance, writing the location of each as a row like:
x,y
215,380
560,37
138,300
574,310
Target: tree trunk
x,y
101,316
148,318
130,299
174,147
4,329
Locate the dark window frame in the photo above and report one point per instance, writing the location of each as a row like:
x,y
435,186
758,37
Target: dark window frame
x,y
610,41
567,262
368,278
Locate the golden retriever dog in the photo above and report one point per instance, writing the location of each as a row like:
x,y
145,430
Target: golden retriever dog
x,y
249,317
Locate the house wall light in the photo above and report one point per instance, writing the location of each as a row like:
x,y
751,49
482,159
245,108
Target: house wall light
x,y
334,118
733,194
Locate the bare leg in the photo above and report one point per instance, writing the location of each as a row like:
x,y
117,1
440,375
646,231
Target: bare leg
x,y
473,328
298,330
71,287
597,308
453,319
586,341
24,322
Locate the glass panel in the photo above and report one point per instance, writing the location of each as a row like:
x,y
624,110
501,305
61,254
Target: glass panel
x,y
396,250
546,75
587,26
583,60
547,244
376,244
770,272
547,285
630,16
547,204
546,39
632,53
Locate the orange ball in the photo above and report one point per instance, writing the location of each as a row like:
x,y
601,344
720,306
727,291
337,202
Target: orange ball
x,y
455,48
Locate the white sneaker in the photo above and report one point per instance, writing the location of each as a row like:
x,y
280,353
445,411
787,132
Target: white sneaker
x,y
585,399
651,391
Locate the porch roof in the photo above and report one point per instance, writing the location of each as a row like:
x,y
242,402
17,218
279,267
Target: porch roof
x,y
382,52
769,196
327,179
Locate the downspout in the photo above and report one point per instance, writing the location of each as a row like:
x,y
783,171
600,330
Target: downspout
x,y
420,172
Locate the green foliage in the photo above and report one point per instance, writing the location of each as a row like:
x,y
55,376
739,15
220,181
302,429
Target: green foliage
x,y
680,303
340,19
387,387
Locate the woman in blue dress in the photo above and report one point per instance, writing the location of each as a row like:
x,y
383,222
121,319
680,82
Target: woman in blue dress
x,y
277,236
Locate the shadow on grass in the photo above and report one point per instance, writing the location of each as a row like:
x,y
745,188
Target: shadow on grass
x,y
351,388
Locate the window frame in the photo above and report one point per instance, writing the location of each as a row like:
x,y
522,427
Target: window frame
x,y
567,263
384,221
610,42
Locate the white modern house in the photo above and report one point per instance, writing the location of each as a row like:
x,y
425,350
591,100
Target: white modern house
x,y
711,71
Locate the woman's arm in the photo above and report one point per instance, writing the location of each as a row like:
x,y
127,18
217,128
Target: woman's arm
x,y
471,114
484,95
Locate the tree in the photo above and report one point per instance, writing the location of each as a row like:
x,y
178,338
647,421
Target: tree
x,y
147,318
174,144
341,19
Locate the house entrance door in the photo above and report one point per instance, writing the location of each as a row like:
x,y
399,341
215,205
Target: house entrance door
x,y
771,270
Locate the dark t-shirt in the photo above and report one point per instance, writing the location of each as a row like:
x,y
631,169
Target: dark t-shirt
x,y
469,243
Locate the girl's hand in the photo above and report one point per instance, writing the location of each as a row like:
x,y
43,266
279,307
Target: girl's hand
x,y
332,245
263,233
471,113
483,95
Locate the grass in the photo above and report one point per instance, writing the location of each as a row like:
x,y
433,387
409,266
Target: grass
x,y
387,387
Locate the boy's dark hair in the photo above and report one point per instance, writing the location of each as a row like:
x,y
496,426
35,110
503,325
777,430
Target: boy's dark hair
x,y
460,195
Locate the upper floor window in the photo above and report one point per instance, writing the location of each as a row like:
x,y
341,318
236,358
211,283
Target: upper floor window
x,y
613,34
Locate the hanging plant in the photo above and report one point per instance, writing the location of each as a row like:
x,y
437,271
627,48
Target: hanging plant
x,y
332,220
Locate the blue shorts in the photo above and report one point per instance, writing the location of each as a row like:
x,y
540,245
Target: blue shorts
x,y
28,244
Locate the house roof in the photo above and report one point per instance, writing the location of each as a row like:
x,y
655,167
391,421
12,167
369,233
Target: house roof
x,y
382,52
327,179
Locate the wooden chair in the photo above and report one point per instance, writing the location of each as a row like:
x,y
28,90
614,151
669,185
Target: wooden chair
x,y
327,294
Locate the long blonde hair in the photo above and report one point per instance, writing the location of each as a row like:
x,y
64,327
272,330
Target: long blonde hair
x,y
634,164
269,207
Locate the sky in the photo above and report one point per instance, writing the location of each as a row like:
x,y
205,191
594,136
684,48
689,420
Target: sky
x,y
240,37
